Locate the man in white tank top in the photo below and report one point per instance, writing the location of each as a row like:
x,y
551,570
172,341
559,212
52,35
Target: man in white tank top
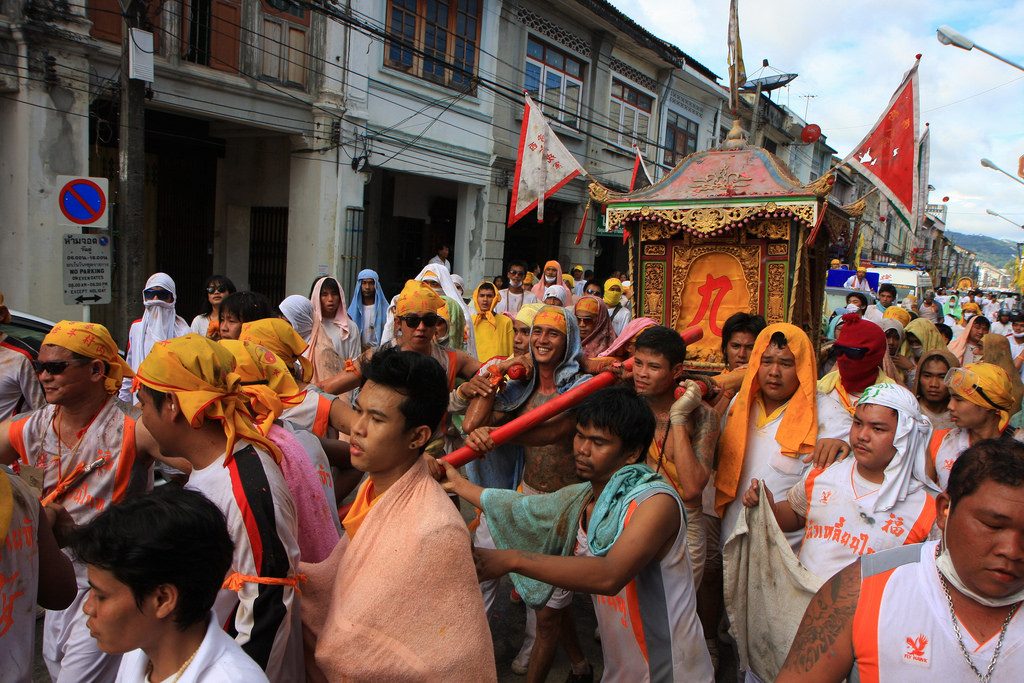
x,y
89,452
935,611
880,498
625,544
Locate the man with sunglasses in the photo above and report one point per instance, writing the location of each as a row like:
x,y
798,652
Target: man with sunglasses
x,y
87,451
415,319
159,322
516,295
980,403
860,350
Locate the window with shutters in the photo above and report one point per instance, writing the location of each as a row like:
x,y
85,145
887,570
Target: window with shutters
x,y
209,33
680,137
437,40
285,56
107,23
555,79
630,112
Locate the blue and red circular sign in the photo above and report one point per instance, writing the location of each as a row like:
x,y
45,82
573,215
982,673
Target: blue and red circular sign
x,y
82,201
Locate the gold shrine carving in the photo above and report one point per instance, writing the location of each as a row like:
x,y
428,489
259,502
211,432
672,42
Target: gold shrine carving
x,y
721,181
662,223
654,290
773,229
775,289
778,250
654,250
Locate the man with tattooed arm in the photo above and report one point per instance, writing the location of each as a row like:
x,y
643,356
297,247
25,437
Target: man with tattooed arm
x,y
942,608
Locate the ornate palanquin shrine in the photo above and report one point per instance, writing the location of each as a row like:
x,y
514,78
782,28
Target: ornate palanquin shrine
x,y
725,231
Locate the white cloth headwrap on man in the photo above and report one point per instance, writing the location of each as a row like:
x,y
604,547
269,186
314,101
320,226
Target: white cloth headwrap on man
x,y
906,473
298,310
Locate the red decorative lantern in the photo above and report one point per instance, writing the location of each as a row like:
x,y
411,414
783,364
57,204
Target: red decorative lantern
x,y
810,133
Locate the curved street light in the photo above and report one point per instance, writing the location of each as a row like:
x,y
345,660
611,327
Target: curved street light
x,y
950,36
987,163
990,212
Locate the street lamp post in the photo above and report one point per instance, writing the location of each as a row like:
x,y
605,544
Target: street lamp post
x,y
1015,224
987,163
949,36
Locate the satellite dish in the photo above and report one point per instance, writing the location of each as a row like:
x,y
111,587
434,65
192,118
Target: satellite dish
x,y
768,83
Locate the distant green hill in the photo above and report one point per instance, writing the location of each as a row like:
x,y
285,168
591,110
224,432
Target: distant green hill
x,y
996,252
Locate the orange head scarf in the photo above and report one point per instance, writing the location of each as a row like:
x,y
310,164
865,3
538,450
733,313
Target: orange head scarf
x,y
280,338
92,341
799,429
899,314
417,297
265,380
201,375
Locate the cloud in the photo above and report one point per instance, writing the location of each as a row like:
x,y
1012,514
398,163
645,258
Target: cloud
x,y
851,57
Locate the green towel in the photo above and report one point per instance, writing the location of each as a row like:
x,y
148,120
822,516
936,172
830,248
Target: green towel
x,y
547,523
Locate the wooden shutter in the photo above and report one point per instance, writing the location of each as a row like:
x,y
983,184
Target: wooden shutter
x,y
105,16
224,31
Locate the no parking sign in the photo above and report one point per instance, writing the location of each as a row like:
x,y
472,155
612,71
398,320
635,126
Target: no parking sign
x,y
82,201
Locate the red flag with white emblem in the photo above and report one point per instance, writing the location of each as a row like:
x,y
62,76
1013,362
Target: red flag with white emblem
x,y
888,156
544,165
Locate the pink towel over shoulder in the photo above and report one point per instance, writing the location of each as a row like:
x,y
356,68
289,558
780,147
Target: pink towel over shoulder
x,y
400,601
317,533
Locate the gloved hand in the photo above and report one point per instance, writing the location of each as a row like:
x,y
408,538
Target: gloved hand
x,y
685,404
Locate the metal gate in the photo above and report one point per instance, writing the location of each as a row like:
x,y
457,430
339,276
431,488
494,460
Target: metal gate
x,y
268,250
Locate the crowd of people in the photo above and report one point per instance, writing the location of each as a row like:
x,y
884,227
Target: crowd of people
x,y
262,494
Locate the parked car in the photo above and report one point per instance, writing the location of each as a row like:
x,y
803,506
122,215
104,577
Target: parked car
x,y
28,328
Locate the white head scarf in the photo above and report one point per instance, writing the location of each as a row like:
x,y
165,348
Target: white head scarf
x,y
460,284
159,321
557,291
299,312
905,474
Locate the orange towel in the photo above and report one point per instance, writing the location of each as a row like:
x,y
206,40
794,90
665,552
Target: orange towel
x,y
399,601
799,429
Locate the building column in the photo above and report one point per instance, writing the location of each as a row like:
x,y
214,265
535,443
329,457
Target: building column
x,y
479,244
44,136
325,216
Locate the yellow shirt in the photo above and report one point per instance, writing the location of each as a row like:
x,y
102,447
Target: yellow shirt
x,y
493,336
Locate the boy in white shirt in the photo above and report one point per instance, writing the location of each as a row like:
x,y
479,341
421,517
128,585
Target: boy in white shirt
x,y
156,564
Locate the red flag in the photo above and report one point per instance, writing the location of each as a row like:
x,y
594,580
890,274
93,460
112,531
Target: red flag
x,y
626,234
543,167
583,223
888,156
638,164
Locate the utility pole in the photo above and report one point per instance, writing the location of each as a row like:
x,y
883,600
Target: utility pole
x,y
131,156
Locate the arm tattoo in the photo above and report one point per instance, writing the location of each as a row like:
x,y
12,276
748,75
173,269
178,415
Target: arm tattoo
x,y
828,615
704,433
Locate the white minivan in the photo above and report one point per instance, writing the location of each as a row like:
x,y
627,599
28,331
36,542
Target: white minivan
x,y
907,280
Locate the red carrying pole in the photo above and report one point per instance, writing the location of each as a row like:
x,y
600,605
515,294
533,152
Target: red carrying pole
x,y
508,431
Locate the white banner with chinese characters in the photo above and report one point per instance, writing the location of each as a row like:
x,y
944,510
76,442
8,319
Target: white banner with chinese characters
x,y
544,165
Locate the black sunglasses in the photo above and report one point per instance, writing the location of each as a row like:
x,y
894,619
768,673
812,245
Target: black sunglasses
x,y
413,321
157,293
55,367
216,289
851,352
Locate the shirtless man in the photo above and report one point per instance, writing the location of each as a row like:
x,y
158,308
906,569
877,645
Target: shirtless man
x,y
549,465
938,609
683,448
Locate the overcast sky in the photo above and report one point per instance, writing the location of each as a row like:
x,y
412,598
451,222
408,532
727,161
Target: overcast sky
x,y
851,57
